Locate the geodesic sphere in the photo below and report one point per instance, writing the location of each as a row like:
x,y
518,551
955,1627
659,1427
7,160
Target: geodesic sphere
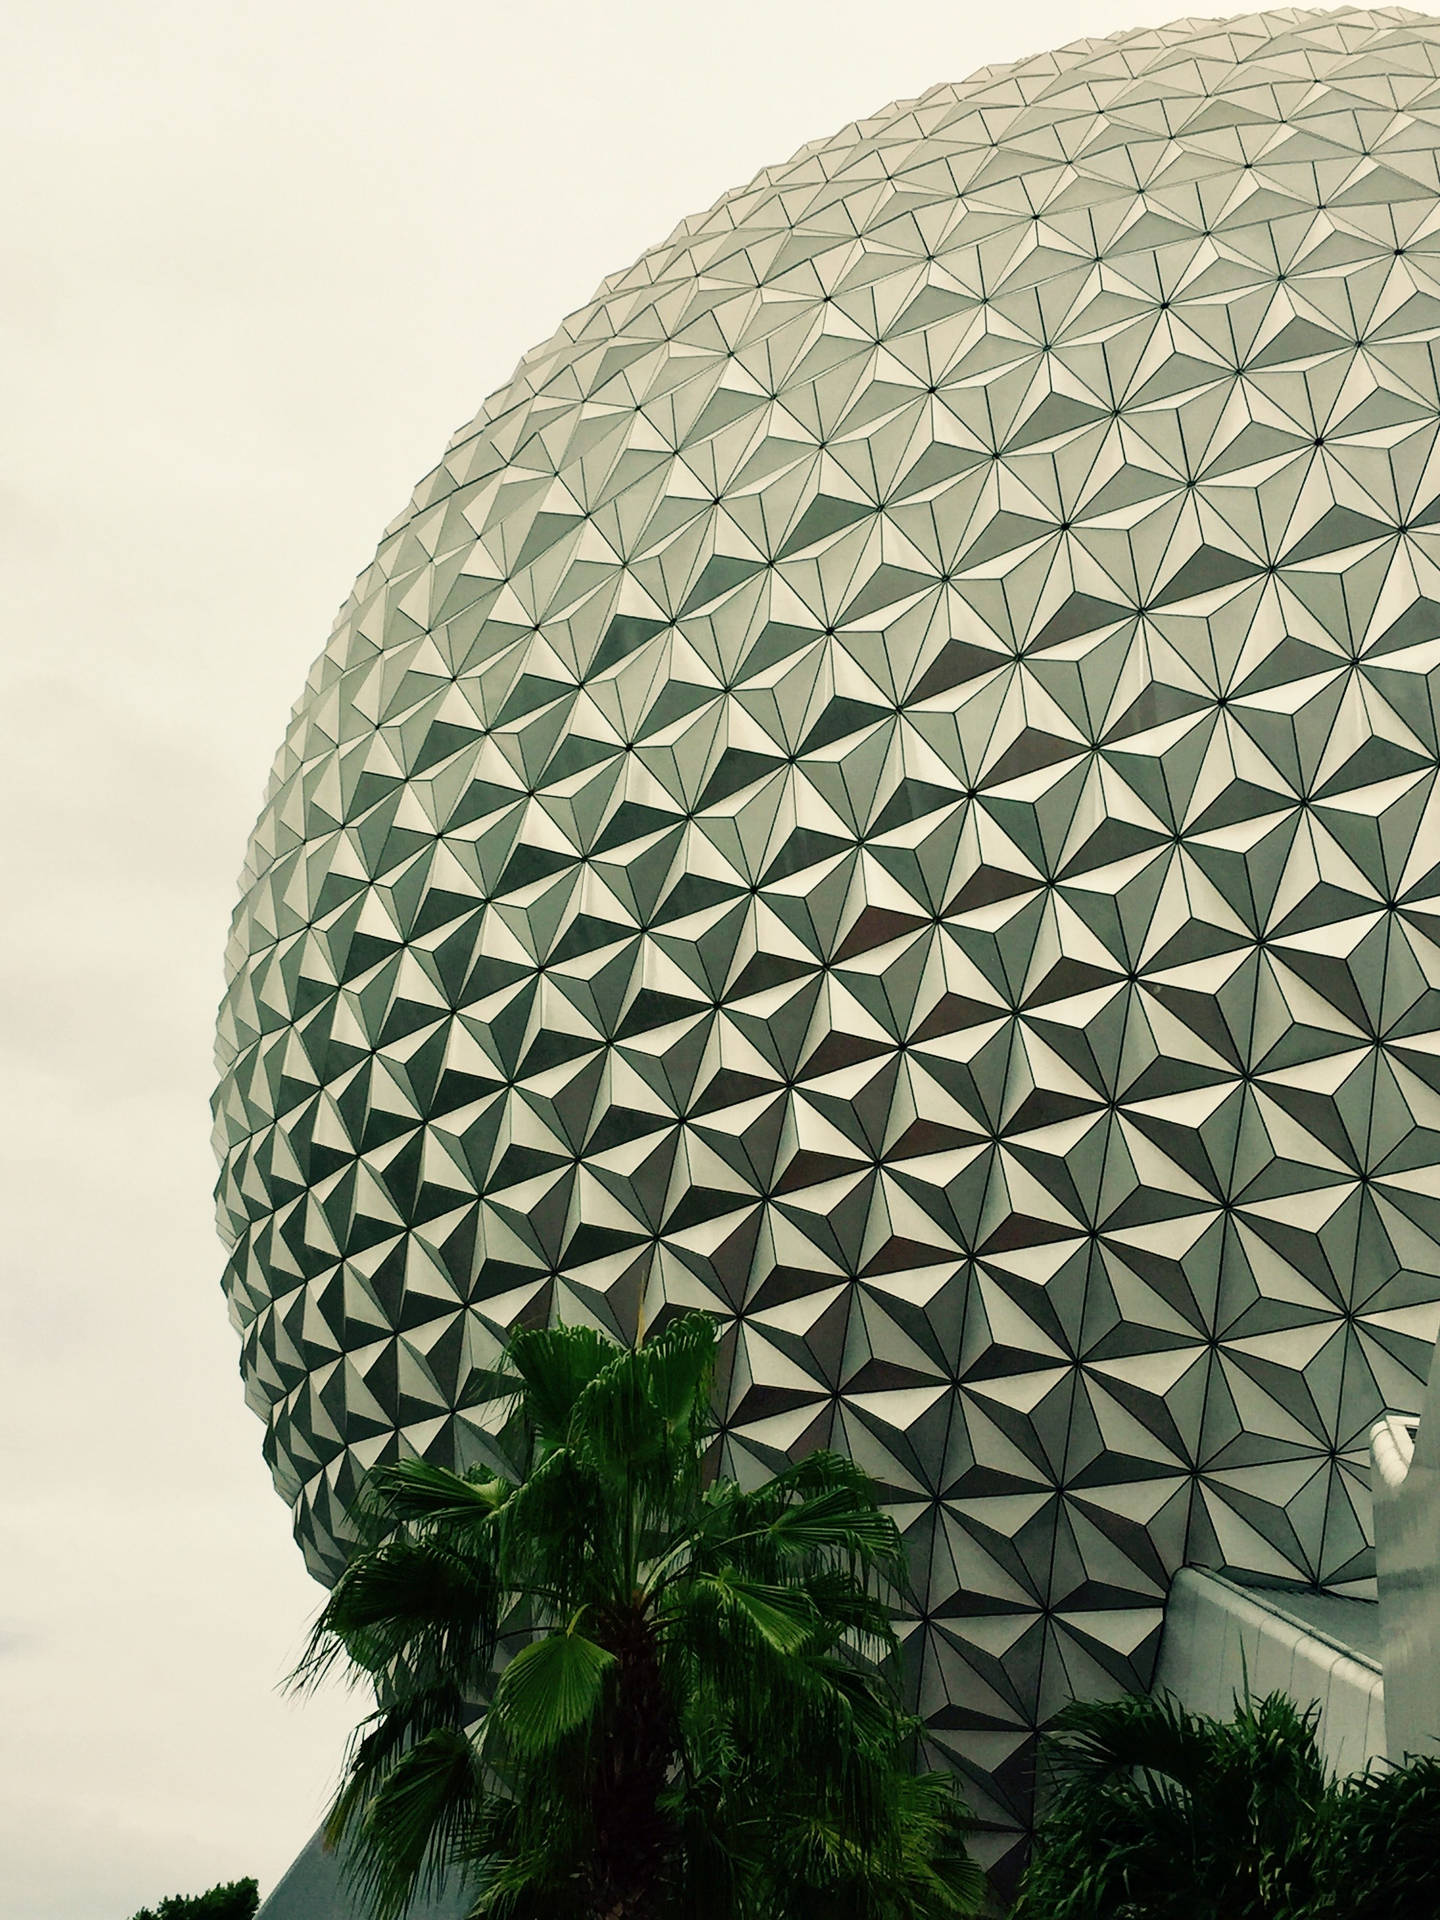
x,y
885,787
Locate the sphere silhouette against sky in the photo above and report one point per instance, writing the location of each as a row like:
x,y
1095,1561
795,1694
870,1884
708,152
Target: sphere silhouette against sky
x,y
885,787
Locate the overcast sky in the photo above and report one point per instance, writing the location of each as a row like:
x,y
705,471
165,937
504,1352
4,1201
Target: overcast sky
x,y
259,260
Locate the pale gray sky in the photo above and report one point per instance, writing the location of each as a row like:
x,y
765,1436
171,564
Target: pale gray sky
x,y
259,259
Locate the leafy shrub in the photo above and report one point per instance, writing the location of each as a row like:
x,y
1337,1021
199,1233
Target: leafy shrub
x,y
234,1900
1162,1814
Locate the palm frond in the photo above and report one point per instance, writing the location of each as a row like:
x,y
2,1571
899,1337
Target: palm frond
x,y
851,1614
900,1855
413,1825
715,1872
408,1602
838,1522
555,1365
382,1740
551,1689
1378,1851
520,1881
405,1493
823,1471
615,1426
1095,1740
375,1746
867,1704
935,1825
1276,1743
680,1359
809,1516
783,1618
557,1534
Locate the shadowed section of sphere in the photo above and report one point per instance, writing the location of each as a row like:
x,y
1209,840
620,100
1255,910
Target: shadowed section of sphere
x,y
885,788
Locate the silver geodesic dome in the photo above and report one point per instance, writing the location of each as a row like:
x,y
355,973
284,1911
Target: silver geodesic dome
x,y
885,787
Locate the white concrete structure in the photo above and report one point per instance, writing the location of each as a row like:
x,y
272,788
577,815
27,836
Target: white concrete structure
x,y
1406,1479
1219,1637
1373,1667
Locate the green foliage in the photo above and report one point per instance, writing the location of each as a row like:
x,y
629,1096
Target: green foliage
x,y
235,1900
1379,1851
1162,1814
702,1719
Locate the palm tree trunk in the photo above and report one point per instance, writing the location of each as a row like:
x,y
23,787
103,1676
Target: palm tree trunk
x,y
631,1833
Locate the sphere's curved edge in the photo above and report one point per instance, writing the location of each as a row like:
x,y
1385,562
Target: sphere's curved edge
x,y
519,389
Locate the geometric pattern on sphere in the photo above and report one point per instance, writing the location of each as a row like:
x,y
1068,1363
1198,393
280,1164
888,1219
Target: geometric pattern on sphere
x,y
886,788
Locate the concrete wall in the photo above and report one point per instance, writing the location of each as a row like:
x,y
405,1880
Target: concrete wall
x,y
1405,1476
1217,1634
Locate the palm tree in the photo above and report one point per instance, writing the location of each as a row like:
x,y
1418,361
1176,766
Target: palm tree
x,y
696,1716
1163,1814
